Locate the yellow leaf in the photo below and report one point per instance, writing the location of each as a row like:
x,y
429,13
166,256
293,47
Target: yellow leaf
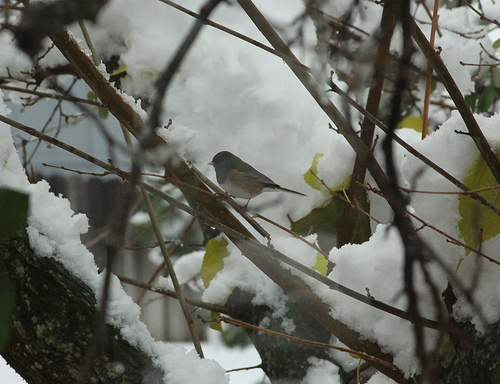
x,y
478,224
311,179
213,261
119,70
309,176
321,264
344,186
413,122
216,325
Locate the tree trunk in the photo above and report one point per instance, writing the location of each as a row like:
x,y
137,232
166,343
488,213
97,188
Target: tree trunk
x,y
53,326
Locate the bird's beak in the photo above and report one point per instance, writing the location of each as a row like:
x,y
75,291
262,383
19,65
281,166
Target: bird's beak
x,y
211,163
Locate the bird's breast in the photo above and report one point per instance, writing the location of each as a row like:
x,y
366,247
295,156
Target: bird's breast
x,y
242,189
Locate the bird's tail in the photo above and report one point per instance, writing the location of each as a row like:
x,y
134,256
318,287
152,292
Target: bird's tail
x,y
292,191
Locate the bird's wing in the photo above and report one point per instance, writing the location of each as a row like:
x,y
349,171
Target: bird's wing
x,y
254,176
251,175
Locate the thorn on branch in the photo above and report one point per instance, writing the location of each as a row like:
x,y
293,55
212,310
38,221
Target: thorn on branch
x,y
311,231
76,170
330,126
462,133
269,244
375,141
368,294
421,227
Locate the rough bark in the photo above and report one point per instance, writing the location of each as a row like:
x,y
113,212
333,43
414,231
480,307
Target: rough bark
x,y
53,325
476,358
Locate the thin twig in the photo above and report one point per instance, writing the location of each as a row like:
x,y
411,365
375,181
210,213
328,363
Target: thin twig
x,y
472,191
299,340
428,80
171,272
173,294
451,86
481,15
258,366
89,42
63,168
297,236
47,95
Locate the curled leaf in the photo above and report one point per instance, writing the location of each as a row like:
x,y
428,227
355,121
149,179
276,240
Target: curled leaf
x,y
310,177
478,223
321,264
213,261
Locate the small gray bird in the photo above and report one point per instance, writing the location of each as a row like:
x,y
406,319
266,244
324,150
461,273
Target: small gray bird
x,y
241,179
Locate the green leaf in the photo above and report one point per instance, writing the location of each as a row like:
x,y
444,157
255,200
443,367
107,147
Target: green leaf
x,y
321,264
103,113
486,98
7,304
434,85
361,230
213,261
324,221
496,44
477,223
13,211
309,176
471,99
91,96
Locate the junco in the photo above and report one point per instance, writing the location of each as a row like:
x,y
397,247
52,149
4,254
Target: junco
x,y
241,179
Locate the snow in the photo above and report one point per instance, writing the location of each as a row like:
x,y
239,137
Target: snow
x,y
224,98
379,378
8,374
187,269
322,371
